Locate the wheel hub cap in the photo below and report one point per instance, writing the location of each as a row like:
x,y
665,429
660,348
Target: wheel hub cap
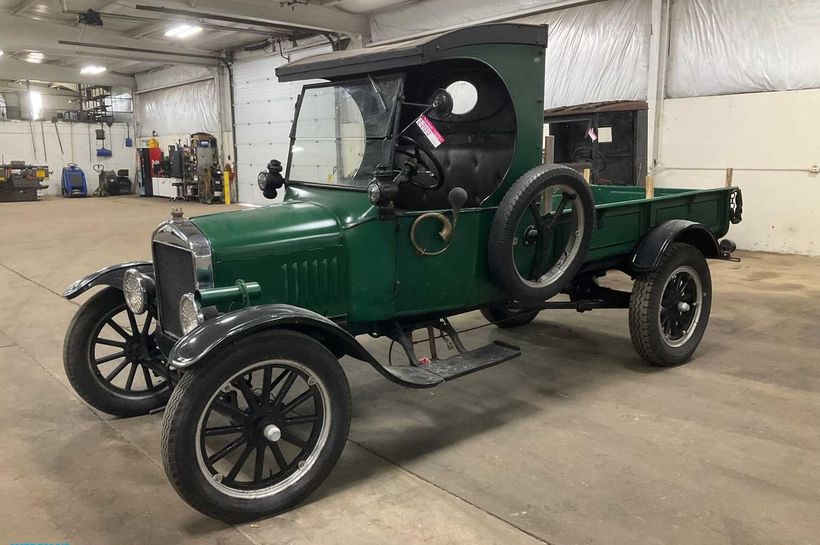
x,y
683,306
272,433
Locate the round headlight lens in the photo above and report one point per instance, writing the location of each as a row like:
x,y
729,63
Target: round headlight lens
x,y
262,180
190,313
133,287
374,193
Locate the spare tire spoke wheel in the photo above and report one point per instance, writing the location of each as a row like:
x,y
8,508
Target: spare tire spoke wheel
x,y
541,232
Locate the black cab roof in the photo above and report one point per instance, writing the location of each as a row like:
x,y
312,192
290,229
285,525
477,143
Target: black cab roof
x,y
409,53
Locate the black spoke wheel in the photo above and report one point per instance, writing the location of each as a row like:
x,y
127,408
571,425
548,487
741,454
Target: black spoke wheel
x,y
256,428
669,307
541,232
681,304
111,358
261,427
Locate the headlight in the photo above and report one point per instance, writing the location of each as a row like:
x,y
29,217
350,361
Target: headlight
x,y
262,180
137,288
190,313
374,192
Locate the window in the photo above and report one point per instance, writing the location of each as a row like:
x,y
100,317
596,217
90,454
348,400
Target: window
x,y
465,96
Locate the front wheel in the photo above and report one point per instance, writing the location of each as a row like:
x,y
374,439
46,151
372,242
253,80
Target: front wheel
x,y
669,307
111,357
257,427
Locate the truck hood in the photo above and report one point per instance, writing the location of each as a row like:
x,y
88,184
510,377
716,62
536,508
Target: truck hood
x,y
270,230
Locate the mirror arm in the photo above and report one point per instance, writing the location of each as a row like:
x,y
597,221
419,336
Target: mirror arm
x,y
427,108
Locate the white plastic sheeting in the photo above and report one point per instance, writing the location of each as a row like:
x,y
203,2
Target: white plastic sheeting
x,y
740,46
172,75
429,15
597,52
184,109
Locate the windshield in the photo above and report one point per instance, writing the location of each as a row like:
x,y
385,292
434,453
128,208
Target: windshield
x,y
341,131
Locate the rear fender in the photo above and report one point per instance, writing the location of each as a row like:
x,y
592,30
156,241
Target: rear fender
x,y
647,254
109,276
229,328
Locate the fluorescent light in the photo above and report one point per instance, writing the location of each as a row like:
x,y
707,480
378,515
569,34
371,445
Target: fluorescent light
x,y
35,57
1,52
182,31
36,100
93,70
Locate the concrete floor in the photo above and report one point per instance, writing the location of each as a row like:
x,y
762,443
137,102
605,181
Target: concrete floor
x,y
575,442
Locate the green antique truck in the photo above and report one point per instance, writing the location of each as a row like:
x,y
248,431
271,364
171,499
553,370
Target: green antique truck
x,y
413,191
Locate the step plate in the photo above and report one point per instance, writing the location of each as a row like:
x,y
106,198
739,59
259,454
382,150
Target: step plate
x,y
474,360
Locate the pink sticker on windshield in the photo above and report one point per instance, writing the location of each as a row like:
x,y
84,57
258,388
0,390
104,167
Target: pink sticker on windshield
x,y
429,130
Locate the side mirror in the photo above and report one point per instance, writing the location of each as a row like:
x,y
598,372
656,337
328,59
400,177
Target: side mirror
x,y
441,103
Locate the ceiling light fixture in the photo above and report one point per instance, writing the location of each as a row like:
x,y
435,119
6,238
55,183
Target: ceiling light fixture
x,y
93,70
182,31
35,57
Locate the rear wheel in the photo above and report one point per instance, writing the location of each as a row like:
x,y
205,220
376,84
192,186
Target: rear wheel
x,y
508,317
255,429
669,307
111,358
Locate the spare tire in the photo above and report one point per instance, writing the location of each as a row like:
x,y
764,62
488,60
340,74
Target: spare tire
x,y
537,247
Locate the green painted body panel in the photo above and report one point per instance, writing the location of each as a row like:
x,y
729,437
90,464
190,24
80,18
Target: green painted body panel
x,y
294,250
328,250
522,70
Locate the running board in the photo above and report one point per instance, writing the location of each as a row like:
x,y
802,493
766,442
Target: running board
x,y
437,371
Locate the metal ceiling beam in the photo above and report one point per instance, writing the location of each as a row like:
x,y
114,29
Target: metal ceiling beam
x,y
302,16
181,57
22,33
13,69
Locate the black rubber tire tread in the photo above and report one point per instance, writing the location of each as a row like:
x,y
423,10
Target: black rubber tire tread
x,y
507,318
190,395
79,367
507,217
644,304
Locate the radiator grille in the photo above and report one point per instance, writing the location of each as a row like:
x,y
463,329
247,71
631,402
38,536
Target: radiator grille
x,y
174,269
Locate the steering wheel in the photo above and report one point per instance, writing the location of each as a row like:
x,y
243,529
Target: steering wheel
x,y
423,156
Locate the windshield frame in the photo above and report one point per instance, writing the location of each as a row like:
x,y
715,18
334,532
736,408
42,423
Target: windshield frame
x,y
392,124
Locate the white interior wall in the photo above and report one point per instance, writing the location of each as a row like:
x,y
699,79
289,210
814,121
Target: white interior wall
x,y
79,146
264,109
770,140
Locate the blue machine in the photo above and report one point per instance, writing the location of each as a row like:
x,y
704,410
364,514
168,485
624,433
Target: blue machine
x,y
73,181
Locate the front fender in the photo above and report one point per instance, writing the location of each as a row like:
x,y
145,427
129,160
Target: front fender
x,y
647,254
109,276
230,327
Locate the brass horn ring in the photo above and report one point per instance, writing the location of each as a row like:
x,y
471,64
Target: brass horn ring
x,y
446,232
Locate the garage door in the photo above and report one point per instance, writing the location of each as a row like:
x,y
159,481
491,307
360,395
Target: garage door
x,y
263,110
